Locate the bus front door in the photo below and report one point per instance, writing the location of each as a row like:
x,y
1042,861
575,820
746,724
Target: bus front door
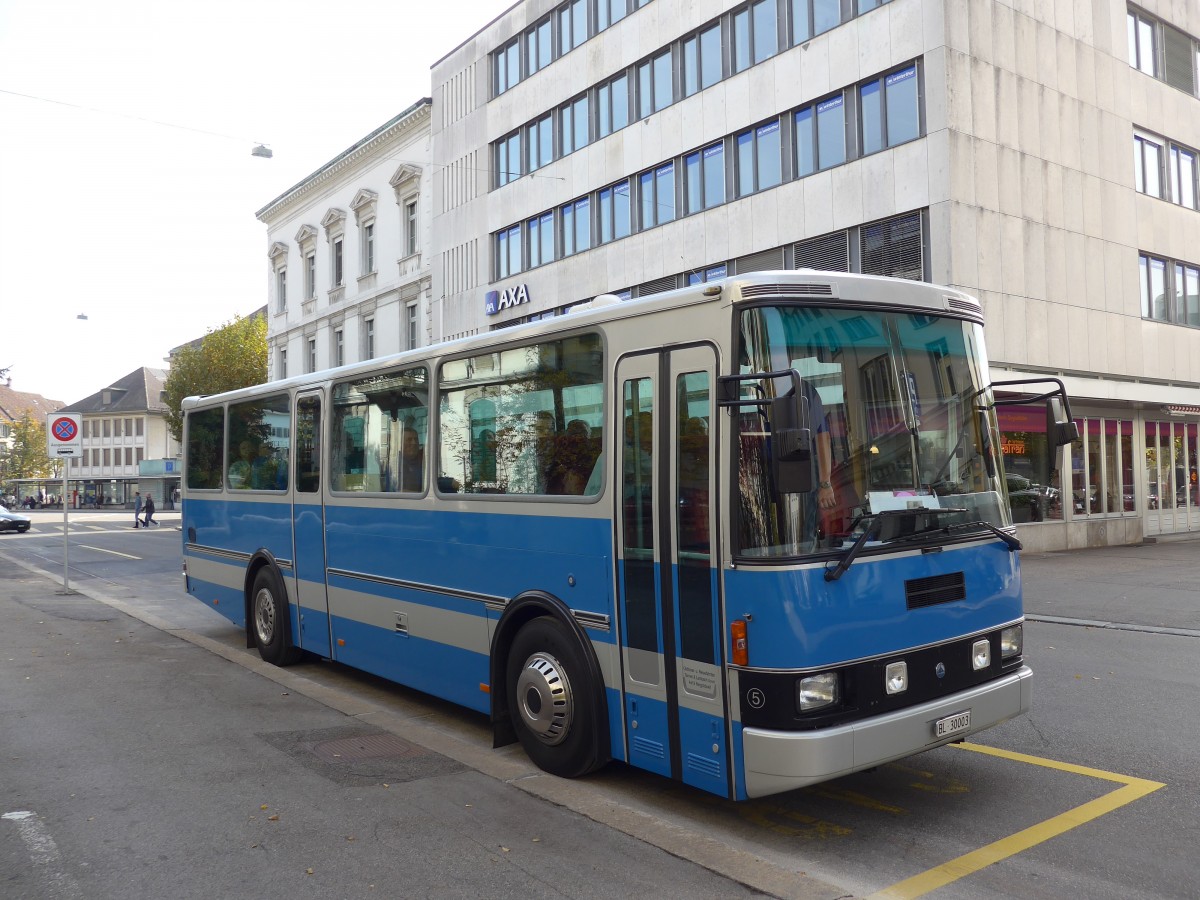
x,y
674,709
308,523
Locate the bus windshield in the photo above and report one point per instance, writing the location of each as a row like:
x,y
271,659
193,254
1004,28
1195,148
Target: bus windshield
x,y
899,419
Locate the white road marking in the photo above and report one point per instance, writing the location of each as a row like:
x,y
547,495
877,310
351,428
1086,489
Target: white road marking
x,y
113,552
43,853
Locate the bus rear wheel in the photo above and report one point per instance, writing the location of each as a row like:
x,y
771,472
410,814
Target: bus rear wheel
x,y
551,699
269,619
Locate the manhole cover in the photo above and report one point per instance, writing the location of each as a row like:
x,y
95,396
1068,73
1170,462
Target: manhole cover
x,y
368,746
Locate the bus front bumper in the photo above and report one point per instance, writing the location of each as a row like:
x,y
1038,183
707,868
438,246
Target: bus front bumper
x,y
777,761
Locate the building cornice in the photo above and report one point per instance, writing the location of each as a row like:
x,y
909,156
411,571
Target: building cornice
x,y
412,119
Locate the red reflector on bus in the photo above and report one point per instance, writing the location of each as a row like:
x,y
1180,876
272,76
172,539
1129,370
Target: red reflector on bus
x,y
341,642
741,648
486,688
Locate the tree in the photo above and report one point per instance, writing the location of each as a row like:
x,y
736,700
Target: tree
x,y
233,356
29,457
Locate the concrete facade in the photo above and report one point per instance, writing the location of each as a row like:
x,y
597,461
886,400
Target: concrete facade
x,y
1022,175
370,207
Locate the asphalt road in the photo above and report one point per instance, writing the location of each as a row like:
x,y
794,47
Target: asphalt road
x,y
1093,794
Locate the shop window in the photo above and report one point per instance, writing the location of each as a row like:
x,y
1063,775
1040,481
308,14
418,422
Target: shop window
x,y
1034,492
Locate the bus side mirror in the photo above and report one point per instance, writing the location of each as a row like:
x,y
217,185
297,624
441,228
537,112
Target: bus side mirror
x,y
1060,429
791,441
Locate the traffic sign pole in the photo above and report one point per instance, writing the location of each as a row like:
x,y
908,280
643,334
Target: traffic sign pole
x,y
64,439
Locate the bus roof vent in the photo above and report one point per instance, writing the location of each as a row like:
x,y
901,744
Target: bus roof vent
x,y
598,302
788,290
963,304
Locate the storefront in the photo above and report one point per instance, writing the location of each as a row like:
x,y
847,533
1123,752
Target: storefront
x,y
1131,475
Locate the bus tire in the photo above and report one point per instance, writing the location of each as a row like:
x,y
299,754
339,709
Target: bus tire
x,y
269,620
550,699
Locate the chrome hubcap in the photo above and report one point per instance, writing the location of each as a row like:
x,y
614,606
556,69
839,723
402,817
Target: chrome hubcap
x,y
544,699
264,615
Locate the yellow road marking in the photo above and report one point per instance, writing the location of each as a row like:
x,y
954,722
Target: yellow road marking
x,y
113,552
947,873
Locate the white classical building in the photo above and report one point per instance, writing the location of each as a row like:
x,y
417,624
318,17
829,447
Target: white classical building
x,y
348,275
1039,155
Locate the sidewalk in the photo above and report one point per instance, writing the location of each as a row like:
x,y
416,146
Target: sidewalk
x,y
1150,586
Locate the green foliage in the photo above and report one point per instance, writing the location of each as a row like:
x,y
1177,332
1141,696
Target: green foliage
x,y
30,457
233,356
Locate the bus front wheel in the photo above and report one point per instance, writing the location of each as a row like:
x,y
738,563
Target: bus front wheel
x,y
269,618
550,700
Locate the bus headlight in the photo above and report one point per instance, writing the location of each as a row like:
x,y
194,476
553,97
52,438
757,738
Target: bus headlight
x,y
1011,641
816,691
981,655
895,678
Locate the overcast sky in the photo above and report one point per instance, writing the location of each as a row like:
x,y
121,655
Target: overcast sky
x,y
149,230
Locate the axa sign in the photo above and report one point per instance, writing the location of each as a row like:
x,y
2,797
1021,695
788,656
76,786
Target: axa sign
x,y
498,301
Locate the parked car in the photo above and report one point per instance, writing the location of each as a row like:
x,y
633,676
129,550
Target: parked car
x,y
1031,502
13,521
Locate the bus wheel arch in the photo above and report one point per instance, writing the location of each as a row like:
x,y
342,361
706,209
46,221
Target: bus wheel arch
x,y
548,688
268,619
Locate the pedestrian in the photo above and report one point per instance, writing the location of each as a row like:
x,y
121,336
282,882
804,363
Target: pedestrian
x,y
149,519
137,508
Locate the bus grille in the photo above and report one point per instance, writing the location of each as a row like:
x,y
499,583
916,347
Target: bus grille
x,y
920,592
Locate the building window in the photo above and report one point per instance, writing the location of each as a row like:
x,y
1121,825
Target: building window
x,y
759,159
813,17
367,240
573,125
1154,287
572,25
129,428
538,48
655,87
893,247
1183,176
704,175
107,423
107,457
755,34
335,260
139,423
410,228
712,273
1187,295
339,347
702,60
369,339
508,159
282,363
889,110
281,289
540,231
657,189
821,136
576,227
614,212
508,65
508,252
1148,161
312,354
609,12
310,276
129,456
612,100
411,324
139,455
540,141
1142,54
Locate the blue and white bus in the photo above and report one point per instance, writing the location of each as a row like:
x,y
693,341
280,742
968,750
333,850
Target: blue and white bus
x,y
751,534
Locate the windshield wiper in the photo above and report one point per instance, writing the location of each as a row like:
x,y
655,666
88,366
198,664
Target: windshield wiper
x,y
1013,543
877,520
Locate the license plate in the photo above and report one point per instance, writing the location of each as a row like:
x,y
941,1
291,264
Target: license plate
x,y
952,724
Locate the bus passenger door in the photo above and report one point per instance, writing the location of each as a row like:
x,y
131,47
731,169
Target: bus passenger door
x,y
675,715
308,523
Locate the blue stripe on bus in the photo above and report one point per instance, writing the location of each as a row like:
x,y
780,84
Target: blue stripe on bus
x,y
420,664
702,743
798,620
649,737
231,603
490,554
